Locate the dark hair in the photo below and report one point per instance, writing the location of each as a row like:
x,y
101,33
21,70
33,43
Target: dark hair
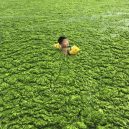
x,y
61,38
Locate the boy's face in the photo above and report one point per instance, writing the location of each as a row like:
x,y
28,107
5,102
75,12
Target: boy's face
x,y
65,43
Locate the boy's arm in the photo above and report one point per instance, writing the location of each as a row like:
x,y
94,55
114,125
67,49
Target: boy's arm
x,y
68,50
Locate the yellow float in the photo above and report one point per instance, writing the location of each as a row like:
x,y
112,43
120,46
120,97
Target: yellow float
x,y
73,49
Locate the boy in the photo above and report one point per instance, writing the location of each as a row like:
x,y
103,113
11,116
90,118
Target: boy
x,y
64,43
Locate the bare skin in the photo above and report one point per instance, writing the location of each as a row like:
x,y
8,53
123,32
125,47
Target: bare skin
x,y
64,45
64,50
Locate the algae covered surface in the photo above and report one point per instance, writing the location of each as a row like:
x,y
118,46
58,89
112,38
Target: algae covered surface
x,y
40,88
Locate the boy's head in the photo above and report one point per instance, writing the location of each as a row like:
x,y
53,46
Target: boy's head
x,y
63,41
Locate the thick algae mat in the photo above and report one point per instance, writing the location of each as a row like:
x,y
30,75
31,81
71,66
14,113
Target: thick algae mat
x,y
42,89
